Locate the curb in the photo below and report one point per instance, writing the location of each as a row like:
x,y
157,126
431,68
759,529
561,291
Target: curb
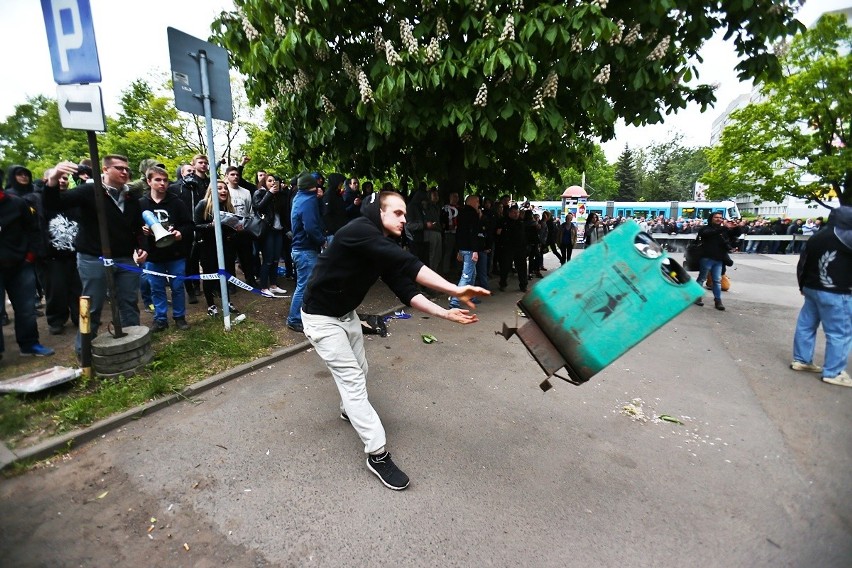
x,y
57,444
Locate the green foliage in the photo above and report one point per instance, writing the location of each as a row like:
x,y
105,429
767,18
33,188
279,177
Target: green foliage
x,y
32,136
600,179
669,170
796,140
486,94
627,176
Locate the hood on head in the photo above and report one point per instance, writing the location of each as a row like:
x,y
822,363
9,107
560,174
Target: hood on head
x,y
371,209
12,171
840,221
335,181
148,163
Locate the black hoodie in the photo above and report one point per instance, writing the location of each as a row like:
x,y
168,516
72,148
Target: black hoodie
x,y
171,212
359,255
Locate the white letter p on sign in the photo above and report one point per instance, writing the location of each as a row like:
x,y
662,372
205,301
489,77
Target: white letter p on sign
x,y
66,41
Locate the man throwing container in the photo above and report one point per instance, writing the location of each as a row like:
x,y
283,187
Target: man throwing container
x,y
362,251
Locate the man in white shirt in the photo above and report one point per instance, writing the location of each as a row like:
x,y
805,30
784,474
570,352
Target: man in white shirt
x,y
241,198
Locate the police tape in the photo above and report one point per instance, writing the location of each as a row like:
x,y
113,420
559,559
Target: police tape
x,y
209,276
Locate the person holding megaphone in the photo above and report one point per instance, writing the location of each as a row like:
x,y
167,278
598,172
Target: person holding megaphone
x,y
166,223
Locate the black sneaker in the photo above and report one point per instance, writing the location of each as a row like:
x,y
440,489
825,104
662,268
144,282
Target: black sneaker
x,y
159,326
297,327
344,416
387,472
699,302
181,324
233,309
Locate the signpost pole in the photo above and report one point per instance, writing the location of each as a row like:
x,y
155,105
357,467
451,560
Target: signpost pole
x,y
214,194
106,249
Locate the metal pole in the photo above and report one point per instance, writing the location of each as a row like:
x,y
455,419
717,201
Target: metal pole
x,y
214,194
106,249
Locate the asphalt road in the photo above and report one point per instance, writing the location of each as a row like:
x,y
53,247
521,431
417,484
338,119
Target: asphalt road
x,y
502,473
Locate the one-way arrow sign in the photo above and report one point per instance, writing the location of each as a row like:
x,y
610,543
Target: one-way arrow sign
x,y
78,107
81,107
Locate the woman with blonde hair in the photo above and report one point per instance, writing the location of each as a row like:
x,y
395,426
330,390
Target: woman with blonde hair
x,y
206,240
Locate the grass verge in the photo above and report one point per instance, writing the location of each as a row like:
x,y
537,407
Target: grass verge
x,y
181,359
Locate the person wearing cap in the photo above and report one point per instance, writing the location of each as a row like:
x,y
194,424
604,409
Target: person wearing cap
x,y
364,250
308,239
824,273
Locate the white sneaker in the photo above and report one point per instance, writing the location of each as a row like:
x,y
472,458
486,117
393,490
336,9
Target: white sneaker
x,y
270,293
809,367
843,379
277,290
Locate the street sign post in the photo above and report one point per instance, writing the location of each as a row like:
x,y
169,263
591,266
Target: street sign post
x,y
74,57
202,86
71,39
81,107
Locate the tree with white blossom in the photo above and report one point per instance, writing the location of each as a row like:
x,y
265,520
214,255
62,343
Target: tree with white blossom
x,y
480,91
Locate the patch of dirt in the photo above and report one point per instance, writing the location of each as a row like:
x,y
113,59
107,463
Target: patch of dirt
x,y
77,510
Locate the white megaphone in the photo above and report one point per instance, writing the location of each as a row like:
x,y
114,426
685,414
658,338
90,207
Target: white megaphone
x,y
162,238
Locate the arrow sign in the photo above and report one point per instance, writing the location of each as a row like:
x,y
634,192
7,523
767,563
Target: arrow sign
x,y
81,107
78,107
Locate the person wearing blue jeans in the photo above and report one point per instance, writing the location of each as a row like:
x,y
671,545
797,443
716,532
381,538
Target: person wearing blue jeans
x,y
124,229
308,239
470,239
171,212
825,280
715,239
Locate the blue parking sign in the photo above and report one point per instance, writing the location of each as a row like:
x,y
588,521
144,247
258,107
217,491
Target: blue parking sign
x,y
71,38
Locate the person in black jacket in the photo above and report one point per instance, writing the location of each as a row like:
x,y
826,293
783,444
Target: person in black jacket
x,y
512,244
124,229
270,202
824,273
470,240
333,208
363,251
715,238
205,234
18,234
173,215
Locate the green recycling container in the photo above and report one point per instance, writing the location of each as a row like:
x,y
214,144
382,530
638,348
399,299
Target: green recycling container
x,y
594,308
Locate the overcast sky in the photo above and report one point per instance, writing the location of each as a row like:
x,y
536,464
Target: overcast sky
x,y
132,43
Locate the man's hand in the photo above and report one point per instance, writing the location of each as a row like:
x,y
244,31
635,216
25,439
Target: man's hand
x,y
65,167
467,293
246,160
177,235
461,316
140,256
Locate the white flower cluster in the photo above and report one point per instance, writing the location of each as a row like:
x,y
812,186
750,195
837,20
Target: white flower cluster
x,y
576,44
300,81
286,87
651,36
550,85
518,5
601,3
427,5
408,40
488,27
602,78
481,96
364,88
508,30
348,68
616,37
433,52
538,100
660,51
301,16
322,53
632,36
280,30
441,28
251,32
391,54
326,105
466,137
378,40
479,5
